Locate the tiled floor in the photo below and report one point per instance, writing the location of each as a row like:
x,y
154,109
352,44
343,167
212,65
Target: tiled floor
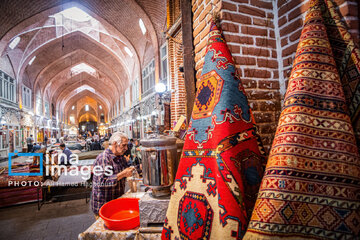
x,y
55,221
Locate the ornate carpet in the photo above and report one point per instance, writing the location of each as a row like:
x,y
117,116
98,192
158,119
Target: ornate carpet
x,y
347,58
311,185
222,165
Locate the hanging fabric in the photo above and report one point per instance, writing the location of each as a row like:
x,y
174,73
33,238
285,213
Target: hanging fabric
x,y
347,58
222,164
311,187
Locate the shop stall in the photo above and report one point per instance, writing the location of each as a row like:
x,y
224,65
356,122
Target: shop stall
x,y
152,193
27,128
10,134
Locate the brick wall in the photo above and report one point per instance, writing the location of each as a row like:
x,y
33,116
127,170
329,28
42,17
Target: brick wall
x,y
5,66
175,11
175,60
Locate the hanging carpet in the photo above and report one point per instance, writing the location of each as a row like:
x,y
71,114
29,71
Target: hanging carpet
x,y
222,164
311,187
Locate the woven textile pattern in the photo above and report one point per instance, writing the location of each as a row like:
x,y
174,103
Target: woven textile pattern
x,y
311,185
222,164
346,55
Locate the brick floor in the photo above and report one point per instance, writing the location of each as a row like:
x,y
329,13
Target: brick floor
x,y
55,221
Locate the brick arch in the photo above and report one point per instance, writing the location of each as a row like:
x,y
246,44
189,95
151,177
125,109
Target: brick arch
x,y
65,96
66,102
127,11
91,111
80,41
106,89
62,81
69,102
35,16
46,78
79,109
88,115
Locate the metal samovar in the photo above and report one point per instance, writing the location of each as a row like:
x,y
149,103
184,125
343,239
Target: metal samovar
x,y
159,159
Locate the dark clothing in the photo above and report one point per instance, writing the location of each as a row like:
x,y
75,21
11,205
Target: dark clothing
x,y
67,152
128,151
29,142
45,141
30,148
130,145
36,148
95,146
106,188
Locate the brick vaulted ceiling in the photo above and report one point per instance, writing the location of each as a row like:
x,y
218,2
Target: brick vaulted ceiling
x,y
60,43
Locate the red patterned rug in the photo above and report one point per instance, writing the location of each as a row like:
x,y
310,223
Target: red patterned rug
x,y
311,185
222,165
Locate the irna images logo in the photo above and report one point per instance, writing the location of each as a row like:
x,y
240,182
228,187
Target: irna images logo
x,y
40,155
74,169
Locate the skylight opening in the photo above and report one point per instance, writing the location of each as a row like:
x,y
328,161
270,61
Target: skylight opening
x,y
142,26
76,14
14,42
85,87
32,60
82,67
86,107
127,50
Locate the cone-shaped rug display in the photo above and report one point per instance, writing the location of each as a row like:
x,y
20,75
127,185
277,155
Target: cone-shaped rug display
x,y
311,187
221,166
347,58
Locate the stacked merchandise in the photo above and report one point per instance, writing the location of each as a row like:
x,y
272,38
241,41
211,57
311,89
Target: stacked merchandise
x,y
11,194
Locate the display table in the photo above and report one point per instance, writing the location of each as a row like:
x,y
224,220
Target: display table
x,y
98,230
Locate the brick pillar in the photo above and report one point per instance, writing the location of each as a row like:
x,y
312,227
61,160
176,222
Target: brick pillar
x,y
177,80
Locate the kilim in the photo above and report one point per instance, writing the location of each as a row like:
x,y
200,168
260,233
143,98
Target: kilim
x,y
311,185
346,55
222,164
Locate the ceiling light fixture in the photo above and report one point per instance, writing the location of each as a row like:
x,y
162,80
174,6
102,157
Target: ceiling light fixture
x,y
142,26
160,87
14,42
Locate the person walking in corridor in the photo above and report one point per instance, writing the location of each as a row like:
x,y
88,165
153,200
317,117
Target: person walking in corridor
x,y
29,142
